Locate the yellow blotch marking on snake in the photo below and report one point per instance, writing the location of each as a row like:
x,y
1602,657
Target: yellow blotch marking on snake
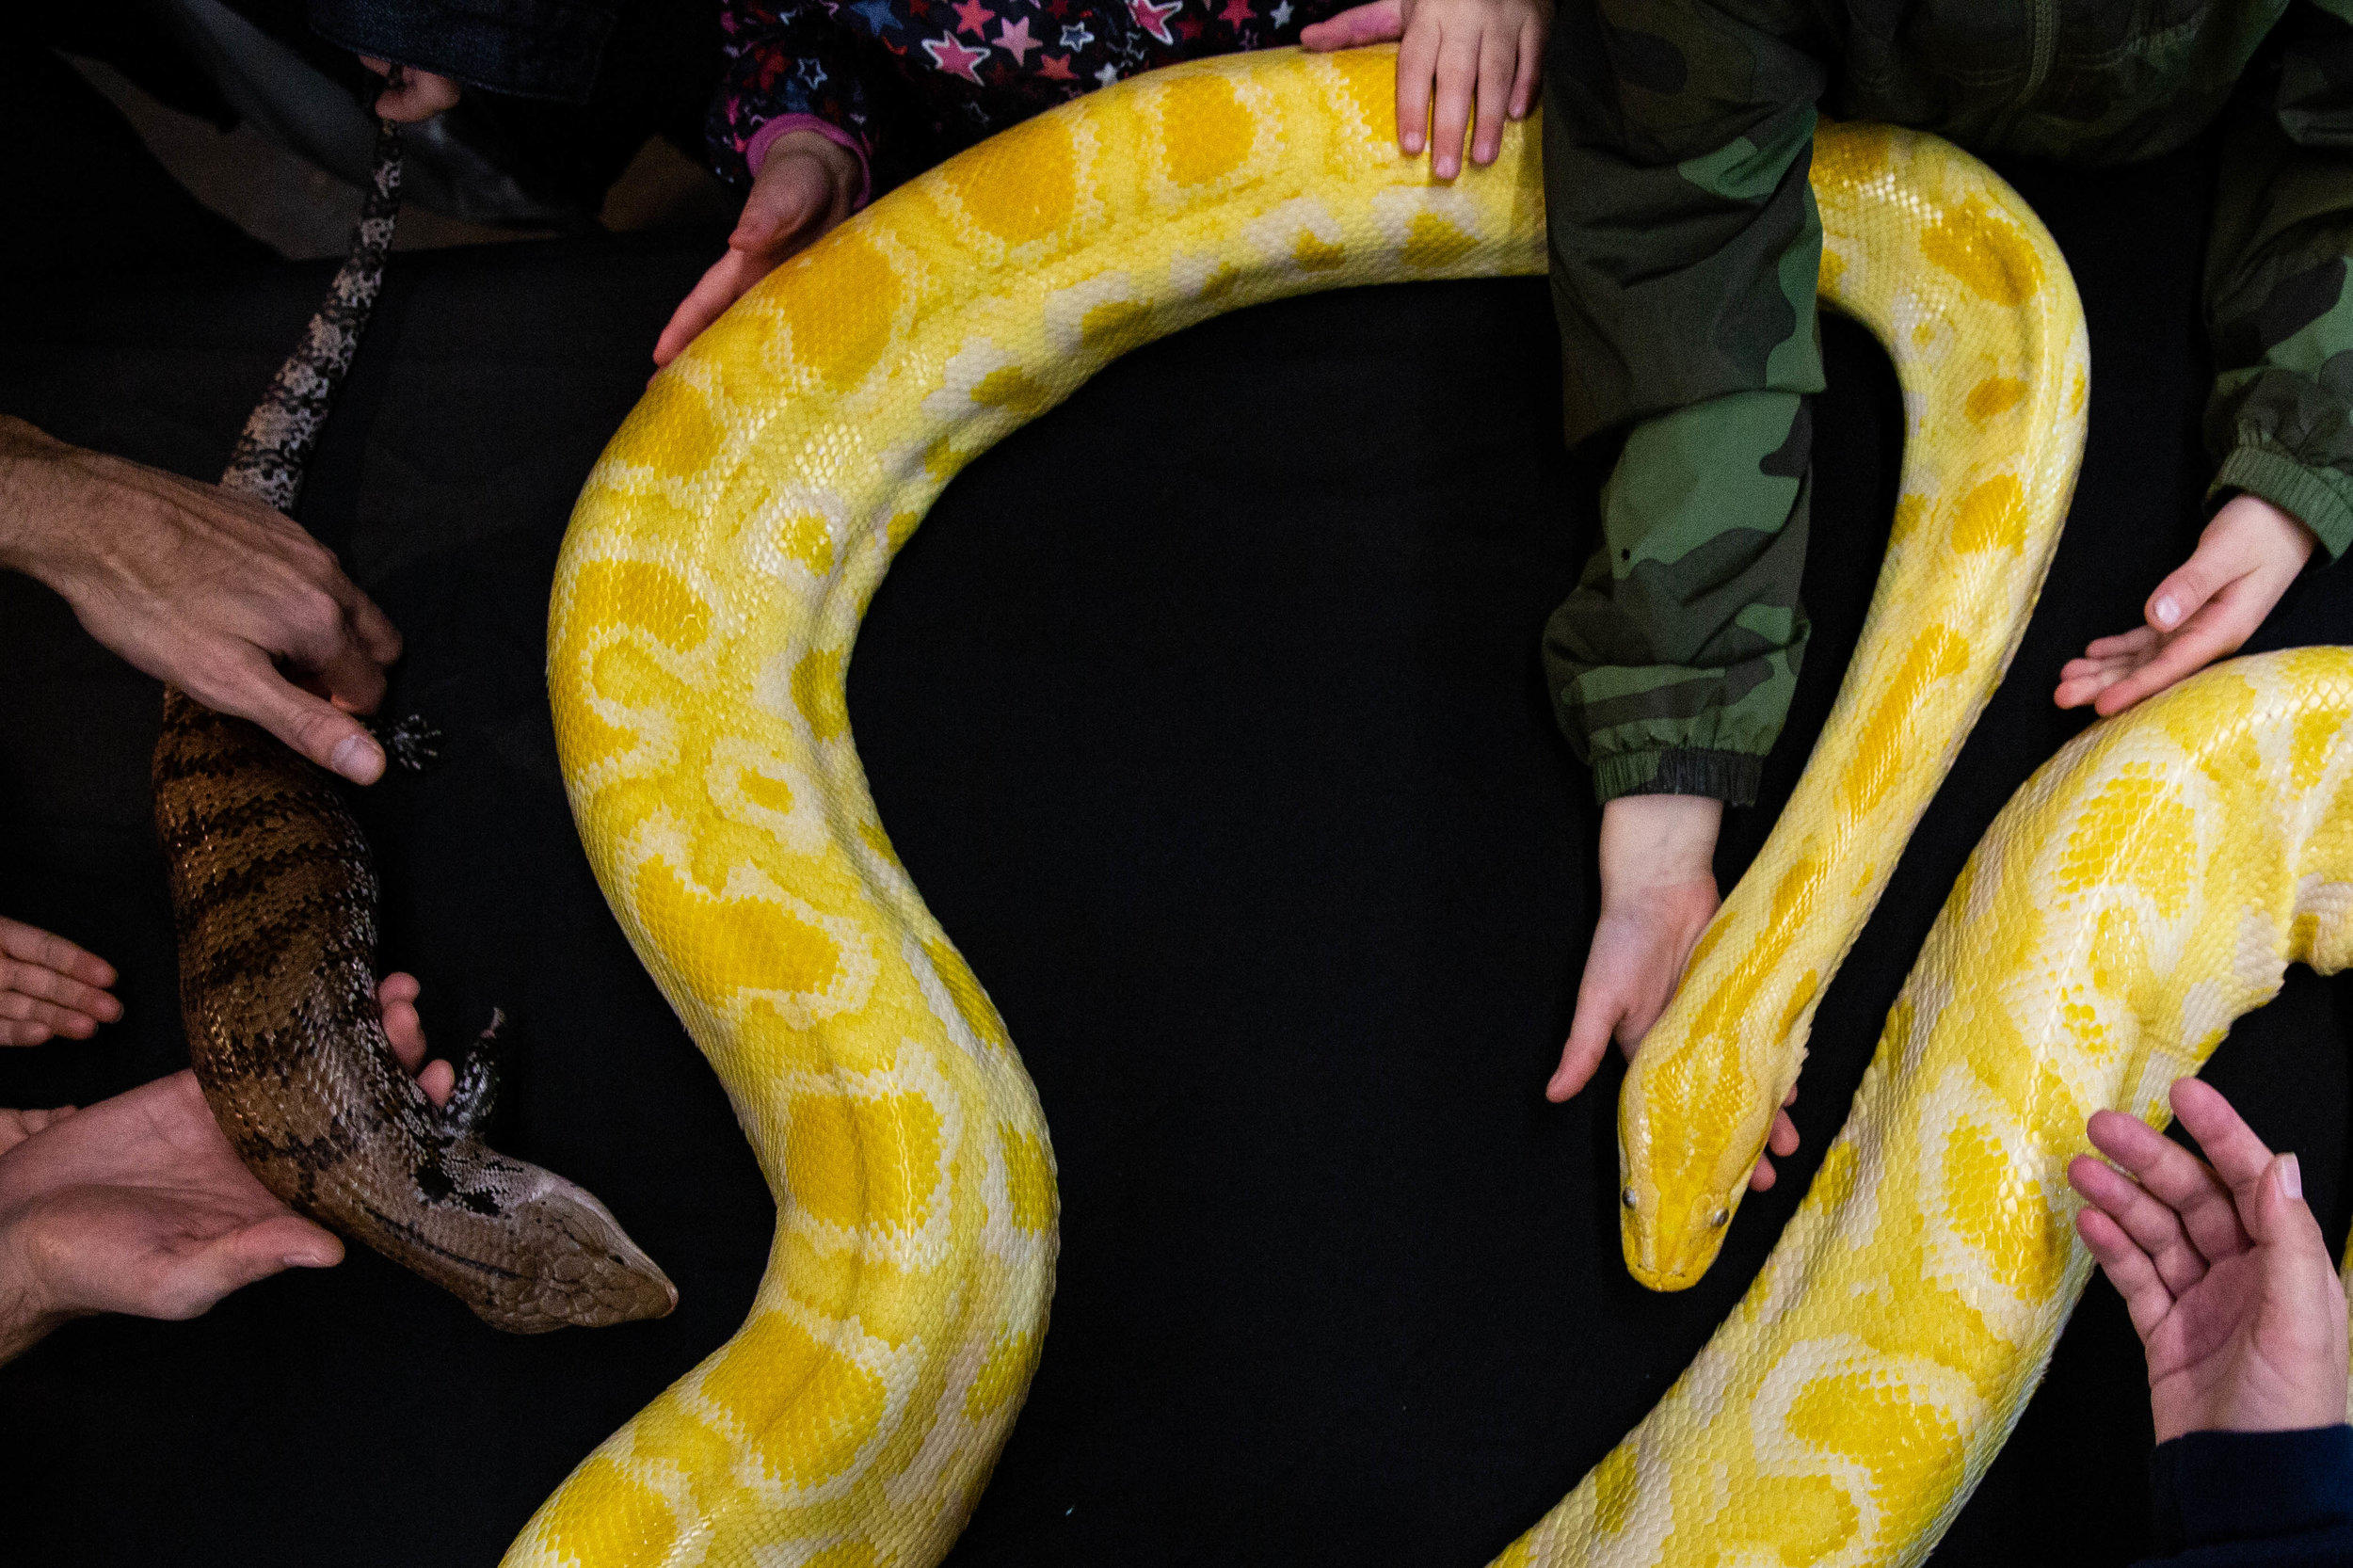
x,y
2139,821
1995,394
1614,1492
608,1517
1117,327
839,311
2307,752
854,1160
636,593
808,538
805,1408
1025,190
1888,741
986,250
1991,517
1995,1211
1433,244
1207,131
1986,251
746,942
1011,389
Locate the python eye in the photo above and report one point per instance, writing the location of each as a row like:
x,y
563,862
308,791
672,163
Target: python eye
x,y
1627,1197
1724,1217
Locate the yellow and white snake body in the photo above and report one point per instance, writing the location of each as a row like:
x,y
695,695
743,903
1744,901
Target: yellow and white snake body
x,y
708,597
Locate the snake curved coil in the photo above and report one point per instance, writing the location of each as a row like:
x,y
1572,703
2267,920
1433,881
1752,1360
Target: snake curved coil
x,y
709,593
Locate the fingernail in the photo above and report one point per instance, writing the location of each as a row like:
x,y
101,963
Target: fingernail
x,y
2166,613
2291,1176
352,758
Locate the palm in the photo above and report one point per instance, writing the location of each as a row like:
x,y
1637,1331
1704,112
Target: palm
x,y
138,1205
2227,1336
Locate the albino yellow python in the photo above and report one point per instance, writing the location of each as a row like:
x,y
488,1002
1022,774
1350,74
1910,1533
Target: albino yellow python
x,y
708,597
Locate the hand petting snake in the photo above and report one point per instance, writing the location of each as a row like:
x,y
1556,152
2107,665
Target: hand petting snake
x,y
2149,885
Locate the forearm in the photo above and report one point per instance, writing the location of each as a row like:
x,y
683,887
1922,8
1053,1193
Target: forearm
x,y
26,1318
25,456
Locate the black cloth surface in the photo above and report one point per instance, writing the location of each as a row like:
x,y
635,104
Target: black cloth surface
x,y
1206,713
2253,1499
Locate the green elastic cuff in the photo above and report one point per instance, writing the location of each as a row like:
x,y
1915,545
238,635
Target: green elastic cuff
x,y
1730,776
2296,489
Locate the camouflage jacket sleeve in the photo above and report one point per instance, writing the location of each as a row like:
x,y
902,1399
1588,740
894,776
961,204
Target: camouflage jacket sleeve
x,y
1685,246
2281,420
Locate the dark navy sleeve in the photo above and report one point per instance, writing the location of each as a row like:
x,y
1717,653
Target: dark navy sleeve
x,y
2253,1499
530,48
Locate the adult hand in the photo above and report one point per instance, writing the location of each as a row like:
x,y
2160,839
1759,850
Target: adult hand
x,y
2222,1268
210,590
1657,895
1488,52
138,1205
50,987
806,184
2209,606
411,95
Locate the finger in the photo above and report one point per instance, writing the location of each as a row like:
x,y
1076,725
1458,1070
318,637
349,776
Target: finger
x,y
1762,1178
1458,79
1495,88
791,193
2155,1229
52,952
1589,1038
720,287
2141,640
396,1002
436,1081
2212,566
311,725
33,980
1782,1141
380,639
2176,1179
354,682
1527,72
22,1010
2230,1146
15,1033
2189,652
1377,23
237,1259
2135,1278
1416,58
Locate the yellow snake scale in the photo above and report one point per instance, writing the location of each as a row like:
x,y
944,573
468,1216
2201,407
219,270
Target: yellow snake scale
x,y
2147,886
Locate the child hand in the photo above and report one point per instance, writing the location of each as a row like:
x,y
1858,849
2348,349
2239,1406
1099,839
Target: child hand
x,y
806,184
49,987
2213,602
1489,49
1657,895
2223,1268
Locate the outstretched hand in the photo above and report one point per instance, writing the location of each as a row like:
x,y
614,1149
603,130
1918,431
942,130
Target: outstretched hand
x,y
49,987
1452,55
2222,1268
138,1205
2211,604
807,183
1657,895
208,590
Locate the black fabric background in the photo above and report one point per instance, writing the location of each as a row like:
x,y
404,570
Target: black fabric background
x,y
1206,713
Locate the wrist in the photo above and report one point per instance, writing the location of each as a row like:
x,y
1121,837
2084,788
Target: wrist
x,y
1659,840
27,1312
25,453
845,169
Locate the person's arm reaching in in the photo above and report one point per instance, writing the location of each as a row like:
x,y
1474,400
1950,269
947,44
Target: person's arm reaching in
x,y
214,592
2230,1287
1461,64
1686,248
2279,422
793,121
138,1205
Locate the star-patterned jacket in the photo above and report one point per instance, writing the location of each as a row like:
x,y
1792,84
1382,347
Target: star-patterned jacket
x,y
906,83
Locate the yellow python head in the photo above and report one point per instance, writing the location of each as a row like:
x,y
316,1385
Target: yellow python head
x,y
1700,1097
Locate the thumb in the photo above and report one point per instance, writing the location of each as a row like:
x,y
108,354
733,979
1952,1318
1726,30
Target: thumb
x,y
243,1256
1377,23
2191,584
2279,1218
1588,1042
783,201
311,725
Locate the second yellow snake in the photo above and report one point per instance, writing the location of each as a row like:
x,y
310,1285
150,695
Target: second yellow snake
x,y
709,595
